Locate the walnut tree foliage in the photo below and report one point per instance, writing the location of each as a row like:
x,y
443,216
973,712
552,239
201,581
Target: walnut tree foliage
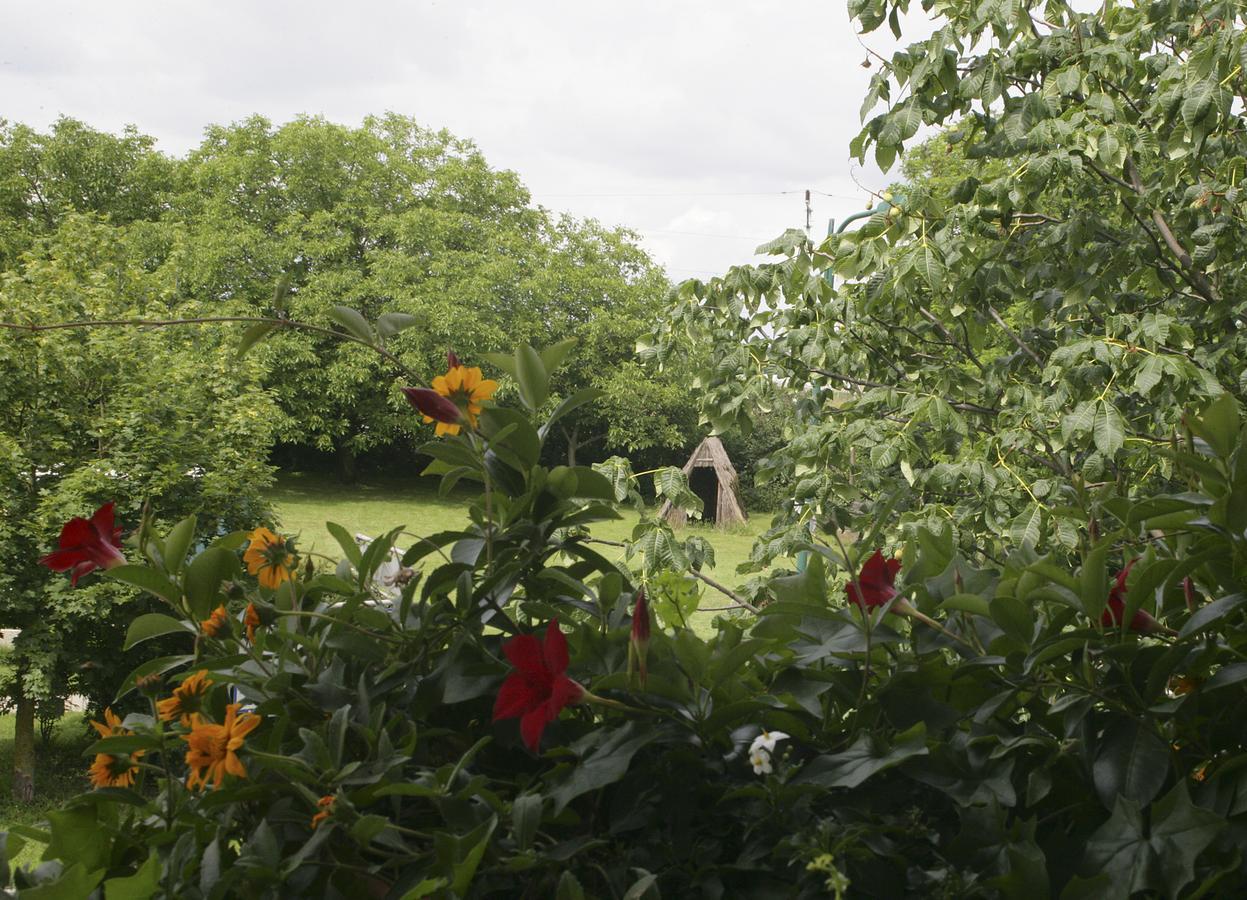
x,y
1016,343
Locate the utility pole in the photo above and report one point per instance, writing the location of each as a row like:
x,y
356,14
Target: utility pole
x,y
809,212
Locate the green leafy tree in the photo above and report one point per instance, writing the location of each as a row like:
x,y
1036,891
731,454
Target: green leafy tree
x,y
133,416
392,217
1004,348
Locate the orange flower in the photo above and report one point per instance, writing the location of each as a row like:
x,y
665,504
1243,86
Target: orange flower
x,y
113,770
325,805
464,387
215,623
251,619
187,699
269,557
212,754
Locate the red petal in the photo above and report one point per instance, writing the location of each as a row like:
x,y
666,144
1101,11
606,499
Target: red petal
x,y
63,560
532,725
103,521
76,532
524,652
556,649
565,692
515,697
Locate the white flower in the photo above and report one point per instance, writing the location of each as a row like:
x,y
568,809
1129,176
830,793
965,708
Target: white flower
x,y
766,741
760,760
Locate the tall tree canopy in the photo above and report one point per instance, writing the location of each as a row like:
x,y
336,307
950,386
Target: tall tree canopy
x,y
1017,343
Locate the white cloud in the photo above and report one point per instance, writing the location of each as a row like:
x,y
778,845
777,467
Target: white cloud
x,y
691,116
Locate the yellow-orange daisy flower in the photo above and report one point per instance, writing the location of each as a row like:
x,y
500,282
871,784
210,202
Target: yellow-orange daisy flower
x,y
269,557
187,699
463,386
325,805
216,623
251,618
113,770
213,748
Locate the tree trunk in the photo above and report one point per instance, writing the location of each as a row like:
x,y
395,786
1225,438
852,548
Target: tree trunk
x,y
572,444
24,750
348,471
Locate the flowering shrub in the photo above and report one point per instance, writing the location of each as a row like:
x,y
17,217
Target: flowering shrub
x,y
486,734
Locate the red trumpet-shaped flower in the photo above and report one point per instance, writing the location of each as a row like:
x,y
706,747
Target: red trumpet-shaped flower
x,y
873,587
539,688
1115,608
638,644
87,544
434,406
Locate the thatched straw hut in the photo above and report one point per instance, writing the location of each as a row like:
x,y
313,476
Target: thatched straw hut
x,y
711,477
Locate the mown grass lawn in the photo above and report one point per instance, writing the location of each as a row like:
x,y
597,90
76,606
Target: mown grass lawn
x,y
60,773
305,502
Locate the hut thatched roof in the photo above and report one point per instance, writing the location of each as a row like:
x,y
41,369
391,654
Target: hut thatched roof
x,y
721,503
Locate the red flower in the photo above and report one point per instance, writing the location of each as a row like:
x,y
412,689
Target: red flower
x,y
86,545
434,405
1115,609
638,645
873,587
539,688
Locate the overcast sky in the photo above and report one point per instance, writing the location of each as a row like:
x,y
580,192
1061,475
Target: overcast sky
x,y
699,124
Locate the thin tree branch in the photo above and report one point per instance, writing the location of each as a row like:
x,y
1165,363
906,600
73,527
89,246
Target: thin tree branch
x,y
1202,284
723,589
931,317
1022,345
208,320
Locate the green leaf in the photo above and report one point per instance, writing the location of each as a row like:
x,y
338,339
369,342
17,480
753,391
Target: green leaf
x,y
177,543
641,887
204,576
150,625
1211,614
864,759
75,883
1027,527
345,541
575,401
1160,858
156,666
569,887
142,885
533,379
1198,101
525,819
353,323
149,580
552,357
604,766
1109,429
1132,762
78,838
391,323
252,336
971,603
1093,580
1218,425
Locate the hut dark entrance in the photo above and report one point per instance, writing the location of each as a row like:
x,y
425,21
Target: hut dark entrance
x,y
711,477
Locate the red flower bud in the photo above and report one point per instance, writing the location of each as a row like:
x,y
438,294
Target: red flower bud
x,y
433,405
86,545
638,645
1188,591
452,361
